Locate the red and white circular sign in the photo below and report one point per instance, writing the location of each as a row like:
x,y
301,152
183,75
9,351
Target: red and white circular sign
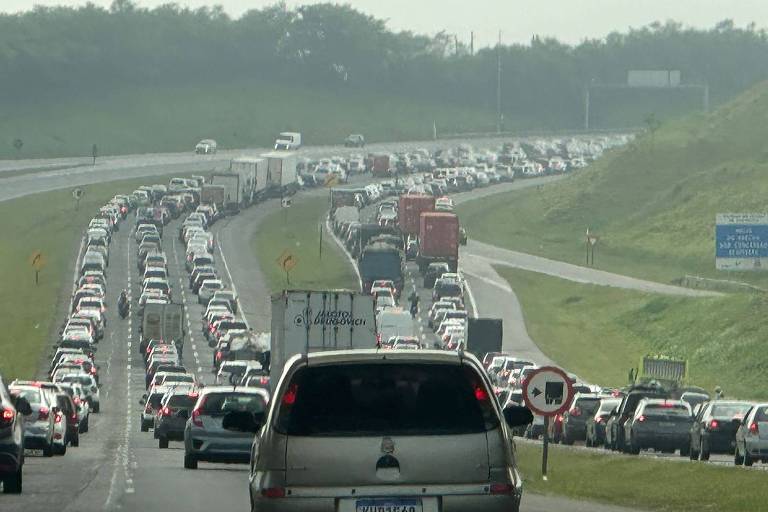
x,y
548,391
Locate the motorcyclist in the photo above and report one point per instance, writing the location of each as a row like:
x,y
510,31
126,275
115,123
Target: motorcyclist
x,y
122,304
414,298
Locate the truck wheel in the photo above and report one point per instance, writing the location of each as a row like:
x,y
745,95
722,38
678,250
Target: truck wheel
x,y
162,442
12,483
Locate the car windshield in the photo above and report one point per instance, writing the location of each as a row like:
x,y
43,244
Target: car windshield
x,y
669,409
186,401
386,399
218,404
729,410
32,395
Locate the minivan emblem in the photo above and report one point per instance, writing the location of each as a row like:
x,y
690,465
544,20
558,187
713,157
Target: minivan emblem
x,y
387,445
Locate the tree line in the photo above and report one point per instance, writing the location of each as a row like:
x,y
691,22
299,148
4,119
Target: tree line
x,y
59,52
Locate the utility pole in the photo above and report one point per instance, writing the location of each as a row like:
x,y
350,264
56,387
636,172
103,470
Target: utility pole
x,y
586,107
498,85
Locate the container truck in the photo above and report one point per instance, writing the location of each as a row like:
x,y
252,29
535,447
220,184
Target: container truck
x,y
484,335
380,260
248,169
411,208
281,173
306,321
380,165
231,184
438,239
212,194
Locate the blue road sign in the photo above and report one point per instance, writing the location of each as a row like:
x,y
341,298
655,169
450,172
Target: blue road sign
x,y
741,241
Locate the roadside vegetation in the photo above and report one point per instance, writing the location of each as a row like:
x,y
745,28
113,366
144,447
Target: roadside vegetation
x,y
48,223
133,79
653,203
674,485
296,231
600,332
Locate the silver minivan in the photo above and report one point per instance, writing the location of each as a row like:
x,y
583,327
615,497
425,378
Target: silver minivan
x,y
367,430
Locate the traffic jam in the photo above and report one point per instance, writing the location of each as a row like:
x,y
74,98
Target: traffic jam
x,y
338,368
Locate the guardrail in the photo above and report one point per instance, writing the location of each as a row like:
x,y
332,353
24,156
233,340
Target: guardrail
x,y
538,133
721,285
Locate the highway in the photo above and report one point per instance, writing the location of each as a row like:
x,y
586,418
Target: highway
x,y
119,467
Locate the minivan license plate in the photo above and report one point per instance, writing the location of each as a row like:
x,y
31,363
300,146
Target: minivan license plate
x,y
389,505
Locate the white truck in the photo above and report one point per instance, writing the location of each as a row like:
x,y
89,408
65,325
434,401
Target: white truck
x,y
248,170
231,184
281,173
306,321
162,322
287,141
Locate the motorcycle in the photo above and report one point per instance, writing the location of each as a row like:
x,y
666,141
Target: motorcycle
x,y
123,308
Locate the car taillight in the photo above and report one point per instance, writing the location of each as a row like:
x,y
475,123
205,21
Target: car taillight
x,y
501,488
73,416
481,395
753,429
93,370
8,415
641,418
196,418
43,413
289,398
77,400
273,492
713,424
57,419
575,411
264,380
599,419
165,411
218,356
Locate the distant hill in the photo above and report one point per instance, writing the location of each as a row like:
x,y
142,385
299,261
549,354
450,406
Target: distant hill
x,y
653,203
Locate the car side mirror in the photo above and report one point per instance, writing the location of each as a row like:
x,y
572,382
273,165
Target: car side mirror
x,y
22,405
243,421
517,415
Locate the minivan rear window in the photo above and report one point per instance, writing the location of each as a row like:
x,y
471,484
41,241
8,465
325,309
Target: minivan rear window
x,y
374,399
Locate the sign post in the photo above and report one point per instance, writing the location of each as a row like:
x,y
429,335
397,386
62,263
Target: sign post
x,y
741,241
287,261
548,391
591,242
37,261
77,194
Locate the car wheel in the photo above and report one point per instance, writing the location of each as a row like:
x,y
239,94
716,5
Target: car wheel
x,y
60,450
748,460
12,483
144,427
190,462
48,450
588,442
685,449
704,453
84,426
738,460
632,447
75,440
96,407
162,442
567,440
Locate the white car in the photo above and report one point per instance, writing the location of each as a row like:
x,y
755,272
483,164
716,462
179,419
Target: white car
x,y
207,289
206,147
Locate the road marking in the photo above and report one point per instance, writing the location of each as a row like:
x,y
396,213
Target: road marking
x,y
471,297
344,250
231,281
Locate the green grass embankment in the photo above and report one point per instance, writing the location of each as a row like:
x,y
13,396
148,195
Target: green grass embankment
x,y
600,332
296,230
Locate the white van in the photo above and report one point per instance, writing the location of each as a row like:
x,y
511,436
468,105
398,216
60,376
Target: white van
x,y
288,141
394,322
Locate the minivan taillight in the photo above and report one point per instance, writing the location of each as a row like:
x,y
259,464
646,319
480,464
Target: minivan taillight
x,y
753,429
196,418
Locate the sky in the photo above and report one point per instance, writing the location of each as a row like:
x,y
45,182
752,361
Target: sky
x,y
570,21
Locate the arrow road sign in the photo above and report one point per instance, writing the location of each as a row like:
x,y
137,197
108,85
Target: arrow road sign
x,y
548,391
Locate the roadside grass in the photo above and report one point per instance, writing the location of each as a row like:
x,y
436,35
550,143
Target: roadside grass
x,y
48,223
641,482
600,332
237,114
653,203
297,230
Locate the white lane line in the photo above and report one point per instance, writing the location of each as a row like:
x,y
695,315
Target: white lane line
x,y
231,281
344,250
471,297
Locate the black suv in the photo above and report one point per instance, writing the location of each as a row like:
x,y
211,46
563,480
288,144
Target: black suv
x,y
11,439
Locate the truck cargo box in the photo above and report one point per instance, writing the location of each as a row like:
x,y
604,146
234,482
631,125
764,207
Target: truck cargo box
x,y
484,335
438,239
410,210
